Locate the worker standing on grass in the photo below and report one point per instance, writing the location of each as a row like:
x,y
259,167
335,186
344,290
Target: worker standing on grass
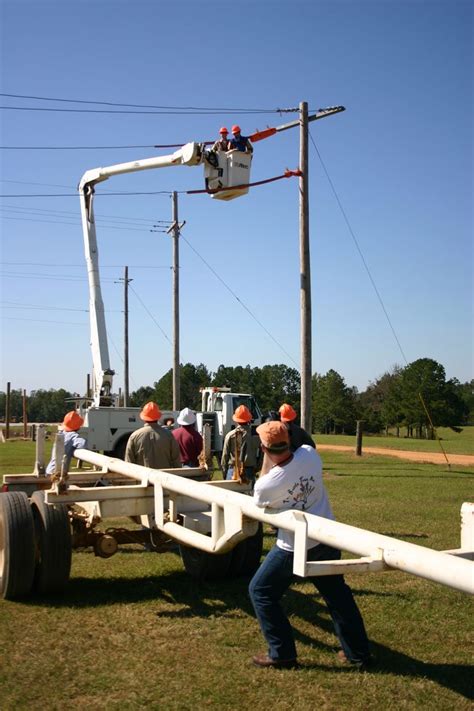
x,y
188,438
295,483
153,445
71,424
240,447
297,434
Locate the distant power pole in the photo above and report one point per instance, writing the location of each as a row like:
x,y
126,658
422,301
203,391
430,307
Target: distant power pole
x,y
305,271
175,231
126,282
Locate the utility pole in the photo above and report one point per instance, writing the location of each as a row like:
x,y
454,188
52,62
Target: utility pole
x,y
305,274
126,393
176,373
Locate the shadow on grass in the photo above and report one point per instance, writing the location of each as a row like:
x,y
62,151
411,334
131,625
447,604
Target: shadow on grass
x,y
229,599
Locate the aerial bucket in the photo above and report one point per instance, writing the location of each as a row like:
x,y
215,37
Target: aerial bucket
x,y
231,176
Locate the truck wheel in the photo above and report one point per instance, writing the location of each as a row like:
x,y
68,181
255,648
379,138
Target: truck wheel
x,y
205,566
17,545
119,450
246,555
53,545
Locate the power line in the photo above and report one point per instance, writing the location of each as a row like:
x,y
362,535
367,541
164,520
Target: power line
x,y
165,112
150,314
239,300
81,266
142,106
354,238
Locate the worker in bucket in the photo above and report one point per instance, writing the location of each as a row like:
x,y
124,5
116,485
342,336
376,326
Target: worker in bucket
x,y
188,438
223,143
295,483
153,445
239,142
240,448
71,423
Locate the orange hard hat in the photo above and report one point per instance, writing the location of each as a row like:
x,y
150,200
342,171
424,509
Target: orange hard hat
x,y
287,414
150,412
224,130
72,421
242,414
235,129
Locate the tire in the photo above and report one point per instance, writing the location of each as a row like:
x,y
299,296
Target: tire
x,y
119,450
205,566
53,545
17,545
246,555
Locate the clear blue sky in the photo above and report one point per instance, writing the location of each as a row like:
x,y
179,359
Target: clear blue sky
x,y
399,158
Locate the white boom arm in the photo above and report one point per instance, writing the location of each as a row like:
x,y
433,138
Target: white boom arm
x,y
190,154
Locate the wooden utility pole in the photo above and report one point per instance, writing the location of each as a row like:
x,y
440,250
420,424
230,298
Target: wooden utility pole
x,y
7,413
176,373
305,274
126,282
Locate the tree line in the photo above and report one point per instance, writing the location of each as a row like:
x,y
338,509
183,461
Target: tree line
x,y
417,397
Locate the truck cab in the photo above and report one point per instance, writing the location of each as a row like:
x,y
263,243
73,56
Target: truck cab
x,y
218,404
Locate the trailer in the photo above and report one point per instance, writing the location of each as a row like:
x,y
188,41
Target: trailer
x,y
214,525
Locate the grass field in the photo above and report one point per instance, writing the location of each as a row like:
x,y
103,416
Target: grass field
x,y
135,632
452,442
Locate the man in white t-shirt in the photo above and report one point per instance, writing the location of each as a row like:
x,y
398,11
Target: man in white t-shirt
x,y
295,482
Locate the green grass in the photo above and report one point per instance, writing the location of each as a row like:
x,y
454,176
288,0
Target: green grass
x,y
453,442
134,632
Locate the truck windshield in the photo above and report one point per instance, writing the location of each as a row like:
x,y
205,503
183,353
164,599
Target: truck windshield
x,y
249,402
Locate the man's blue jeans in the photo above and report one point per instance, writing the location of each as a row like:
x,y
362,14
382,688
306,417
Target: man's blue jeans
x,y
271,581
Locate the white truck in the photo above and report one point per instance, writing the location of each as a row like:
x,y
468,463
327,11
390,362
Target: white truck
x,y
107,428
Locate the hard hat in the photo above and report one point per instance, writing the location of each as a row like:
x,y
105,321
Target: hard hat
x,y
224,130
72,421
150,412
274,436
242,414
186,417
287,414
235,129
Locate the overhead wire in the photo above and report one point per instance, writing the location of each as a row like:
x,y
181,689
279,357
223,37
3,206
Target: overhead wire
x,y
237,298
374,285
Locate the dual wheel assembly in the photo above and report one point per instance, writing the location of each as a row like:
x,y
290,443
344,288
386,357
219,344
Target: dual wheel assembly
x,y
35,545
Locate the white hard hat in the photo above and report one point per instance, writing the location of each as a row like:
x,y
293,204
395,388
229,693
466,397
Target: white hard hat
x,y
186,417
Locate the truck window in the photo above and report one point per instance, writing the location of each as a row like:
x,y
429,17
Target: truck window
x,y
218,405
249,402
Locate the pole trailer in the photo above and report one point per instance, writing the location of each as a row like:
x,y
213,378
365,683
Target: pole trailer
x,y
171,500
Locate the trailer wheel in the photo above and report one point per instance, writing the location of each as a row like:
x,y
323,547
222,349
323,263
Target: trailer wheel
x,y
53,545
246,555
205,566
17,545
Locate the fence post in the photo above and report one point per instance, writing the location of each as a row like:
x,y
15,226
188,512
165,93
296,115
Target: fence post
x,y
358,449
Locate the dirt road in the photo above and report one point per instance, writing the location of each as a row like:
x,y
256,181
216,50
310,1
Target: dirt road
x,y
463,460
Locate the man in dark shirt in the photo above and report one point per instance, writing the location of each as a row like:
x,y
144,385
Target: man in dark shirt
x,y
297,434
188,438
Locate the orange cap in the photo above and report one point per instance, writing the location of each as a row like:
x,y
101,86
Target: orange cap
x,y
274,436
242,414
287,414
150,413
72,421
235,129
223,130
